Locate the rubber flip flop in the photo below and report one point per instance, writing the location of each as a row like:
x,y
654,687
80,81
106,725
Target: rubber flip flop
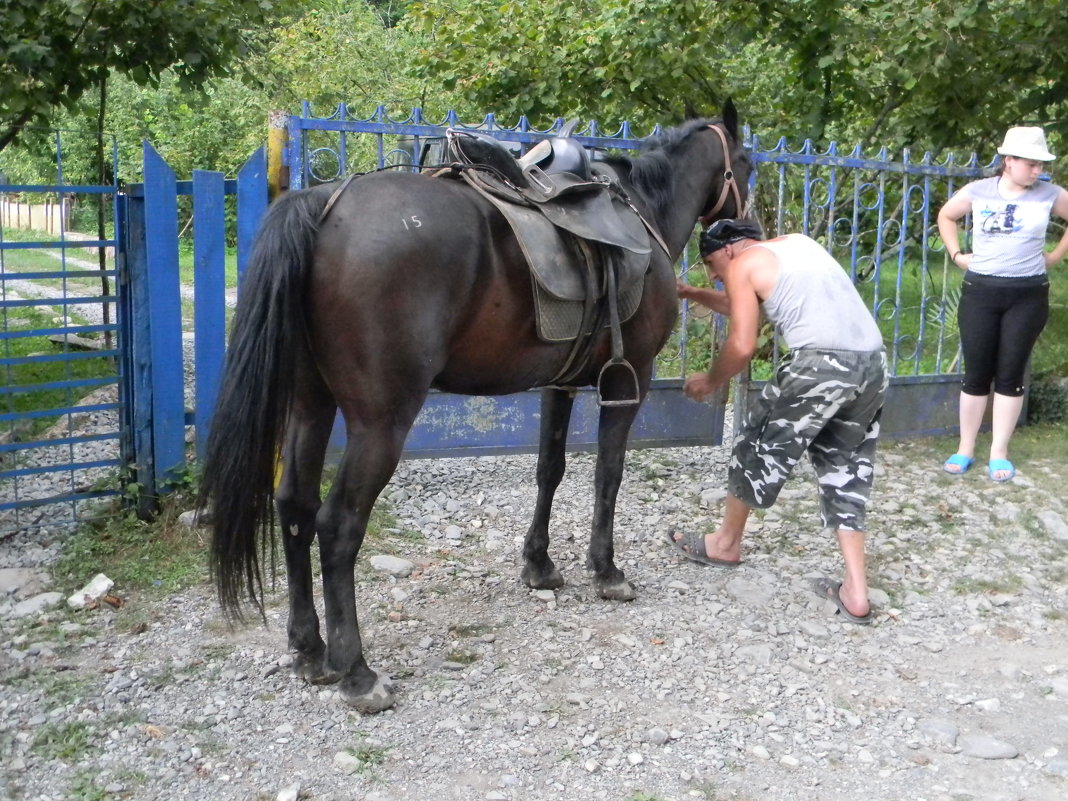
x,y
692,546
960,461
1001,466
831,591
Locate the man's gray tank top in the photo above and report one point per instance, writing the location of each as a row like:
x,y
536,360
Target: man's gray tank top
x,y
814,303
1009,234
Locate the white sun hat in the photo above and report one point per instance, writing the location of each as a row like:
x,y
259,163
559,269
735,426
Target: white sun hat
x,y
1026,143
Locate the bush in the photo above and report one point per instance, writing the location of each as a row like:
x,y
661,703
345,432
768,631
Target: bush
x,y
1047,400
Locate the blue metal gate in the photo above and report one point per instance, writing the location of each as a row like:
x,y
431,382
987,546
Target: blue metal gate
x,y
875,214
60,343
164,403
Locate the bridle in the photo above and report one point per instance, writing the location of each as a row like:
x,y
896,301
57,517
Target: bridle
x,y
729,184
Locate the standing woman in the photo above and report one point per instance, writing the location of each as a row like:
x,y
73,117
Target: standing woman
x,y
1004,302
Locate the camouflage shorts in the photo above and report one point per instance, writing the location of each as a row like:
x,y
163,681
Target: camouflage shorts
x,y
825,402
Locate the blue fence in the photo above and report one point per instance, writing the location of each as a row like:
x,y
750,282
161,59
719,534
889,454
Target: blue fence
x,y
163,402
62,398
874,213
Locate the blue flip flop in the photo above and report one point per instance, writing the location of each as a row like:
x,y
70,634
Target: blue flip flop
x,y
1001,466
960,461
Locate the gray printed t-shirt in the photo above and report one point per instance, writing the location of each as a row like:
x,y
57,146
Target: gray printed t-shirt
x,y
814,302
1009,234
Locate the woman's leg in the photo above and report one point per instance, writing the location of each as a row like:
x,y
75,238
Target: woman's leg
x,y
979,323
1021,325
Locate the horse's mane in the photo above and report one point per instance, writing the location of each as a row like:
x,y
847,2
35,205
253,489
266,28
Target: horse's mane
x,y
651,172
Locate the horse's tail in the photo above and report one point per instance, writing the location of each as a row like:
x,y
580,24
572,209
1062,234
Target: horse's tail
x,y
269,335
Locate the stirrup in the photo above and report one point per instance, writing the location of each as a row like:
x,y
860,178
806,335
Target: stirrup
x,y
618,362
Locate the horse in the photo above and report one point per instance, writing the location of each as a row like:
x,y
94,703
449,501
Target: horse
x,y
407,283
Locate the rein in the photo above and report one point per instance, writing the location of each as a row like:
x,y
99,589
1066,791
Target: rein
x,y
729,184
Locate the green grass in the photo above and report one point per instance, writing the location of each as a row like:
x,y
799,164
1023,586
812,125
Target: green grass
x,y
369,757
84,787
160,556
68,742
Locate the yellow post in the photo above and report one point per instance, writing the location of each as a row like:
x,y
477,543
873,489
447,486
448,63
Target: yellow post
x,y
277,171
277,183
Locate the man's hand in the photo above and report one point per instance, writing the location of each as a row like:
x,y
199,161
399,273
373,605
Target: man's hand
x,y
699,386
685,290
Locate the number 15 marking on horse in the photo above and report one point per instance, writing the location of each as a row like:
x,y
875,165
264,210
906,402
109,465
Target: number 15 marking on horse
x,y
415,222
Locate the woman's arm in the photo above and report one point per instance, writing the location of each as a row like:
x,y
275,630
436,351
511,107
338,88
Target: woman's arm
x,y
954,208
1060,208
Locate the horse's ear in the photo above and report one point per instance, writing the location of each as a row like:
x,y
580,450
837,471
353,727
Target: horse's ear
x,y
691,111
730,118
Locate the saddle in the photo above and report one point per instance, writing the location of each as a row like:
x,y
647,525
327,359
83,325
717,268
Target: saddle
x,y
588,248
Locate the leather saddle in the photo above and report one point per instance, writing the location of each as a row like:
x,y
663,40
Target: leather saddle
x,y
588,248
552,191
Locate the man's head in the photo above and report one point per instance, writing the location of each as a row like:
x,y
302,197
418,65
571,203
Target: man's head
x,y
726,232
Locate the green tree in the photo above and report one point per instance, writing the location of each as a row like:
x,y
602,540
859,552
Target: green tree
x,y
54,51
338,51
642,60
926,73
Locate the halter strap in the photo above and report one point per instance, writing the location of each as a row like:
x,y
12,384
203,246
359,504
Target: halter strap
x,y
729,184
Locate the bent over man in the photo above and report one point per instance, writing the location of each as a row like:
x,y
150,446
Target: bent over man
x,y
825,399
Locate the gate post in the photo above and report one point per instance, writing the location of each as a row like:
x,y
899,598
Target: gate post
x,y
156,361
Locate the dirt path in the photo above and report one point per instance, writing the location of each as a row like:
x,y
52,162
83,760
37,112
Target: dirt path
x,y
713,684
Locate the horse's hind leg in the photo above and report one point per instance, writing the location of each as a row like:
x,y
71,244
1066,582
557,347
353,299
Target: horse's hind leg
x,y
297,501
539,572
613,430
371,456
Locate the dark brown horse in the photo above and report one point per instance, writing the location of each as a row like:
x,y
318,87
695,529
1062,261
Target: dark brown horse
x,y
409,283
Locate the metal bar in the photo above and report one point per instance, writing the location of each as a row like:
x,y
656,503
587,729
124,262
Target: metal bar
x,y
74,355
72,189
66,300
15,447
72,383
57,412
31,503
58,468
74,329
60,244
70,273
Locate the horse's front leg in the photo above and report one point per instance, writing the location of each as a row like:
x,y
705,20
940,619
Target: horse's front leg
x,y
613,430
539,572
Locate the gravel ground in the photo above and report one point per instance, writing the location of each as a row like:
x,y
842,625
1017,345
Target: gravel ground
x,y
715,683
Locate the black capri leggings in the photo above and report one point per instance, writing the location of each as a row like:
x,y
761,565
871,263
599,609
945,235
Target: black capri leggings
x,y
999,321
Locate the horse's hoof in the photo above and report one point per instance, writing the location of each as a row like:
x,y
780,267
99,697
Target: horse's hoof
x,y
378,698
621,590
311,668
537,580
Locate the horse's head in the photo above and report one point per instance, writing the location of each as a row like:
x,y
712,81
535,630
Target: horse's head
x,y
729,192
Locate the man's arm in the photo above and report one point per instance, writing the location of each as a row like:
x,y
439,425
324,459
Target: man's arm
x,y
741,342
713,299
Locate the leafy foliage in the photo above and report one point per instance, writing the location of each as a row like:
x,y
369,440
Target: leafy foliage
x,y
926,73
54,51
